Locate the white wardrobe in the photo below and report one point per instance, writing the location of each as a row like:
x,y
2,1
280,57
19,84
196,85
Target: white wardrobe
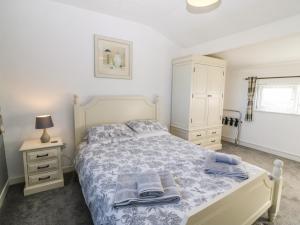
x,y
197,100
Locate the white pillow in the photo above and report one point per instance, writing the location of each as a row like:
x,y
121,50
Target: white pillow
x,y
146,126
108,133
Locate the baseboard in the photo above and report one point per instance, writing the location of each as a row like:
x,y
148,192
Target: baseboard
x,y
265,149
4,192
21,179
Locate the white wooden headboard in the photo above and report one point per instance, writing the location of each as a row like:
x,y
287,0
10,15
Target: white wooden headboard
x,y
111,109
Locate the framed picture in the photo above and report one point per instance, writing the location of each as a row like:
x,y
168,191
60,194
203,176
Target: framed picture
x,y
113,58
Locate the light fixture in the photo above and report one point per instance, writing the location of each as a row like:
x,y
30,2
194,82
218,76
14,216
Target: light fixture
x,y
43,122
202,3
202,6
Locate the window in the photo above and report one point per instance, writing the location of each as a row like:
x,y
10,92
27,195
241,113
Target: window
x,y
278,96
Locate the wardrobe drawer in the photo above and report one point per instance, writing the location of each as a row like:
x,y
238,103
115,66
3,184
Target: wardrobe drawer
x,y
43,177
216,131
42,154
195,135
200,142
42,166
214,140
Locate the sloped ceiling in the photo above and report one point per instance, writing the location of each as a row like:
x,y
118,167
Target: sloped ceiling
x,y
269,52
171,18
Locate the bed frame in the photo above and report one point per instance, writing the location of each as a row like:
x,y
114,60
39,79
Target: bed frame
x,y
241,206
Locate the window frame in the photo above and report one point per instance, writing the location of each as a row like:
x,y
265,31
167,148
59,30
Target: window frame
x,y
273,83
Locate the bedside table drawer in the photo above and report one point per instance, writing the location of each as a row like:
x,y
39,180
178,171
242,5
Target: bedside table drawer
x,y
42,166
43,177
42,154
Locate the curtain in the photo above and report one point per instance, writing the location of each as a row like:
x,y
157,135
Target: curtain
x,y
251,92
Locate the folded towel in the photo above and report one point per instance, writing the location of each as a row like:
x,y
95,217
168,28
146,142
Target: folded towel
x,y
227,170
127,191
149,185
225,158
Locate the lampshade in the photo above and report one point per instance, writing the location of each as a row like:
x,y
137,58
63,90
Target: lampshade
x,y
201,3
42,122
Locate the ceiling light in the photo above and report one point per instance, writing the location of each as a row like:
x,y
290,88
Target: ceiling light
x,y
202,6
201,3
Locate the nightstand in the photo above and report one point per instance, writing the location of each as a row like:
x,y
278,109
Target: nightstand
x,y
42,165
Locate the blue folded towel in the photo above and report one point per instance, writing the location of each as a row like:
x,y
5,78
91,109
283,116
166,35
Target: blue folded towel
x,y
211,166
127,190
222,169
225,158
149,185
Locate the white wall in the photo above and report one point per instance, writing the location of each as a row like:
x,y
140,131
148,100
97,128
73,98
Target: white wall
x,y
47,56
272,132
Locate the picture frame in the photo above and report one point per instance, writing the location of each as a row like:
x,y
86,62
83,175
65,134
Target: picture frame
x,y
113,58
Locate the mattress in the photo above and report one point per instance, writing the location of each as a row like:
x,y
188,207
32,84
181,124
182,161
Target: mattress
x,y
98,166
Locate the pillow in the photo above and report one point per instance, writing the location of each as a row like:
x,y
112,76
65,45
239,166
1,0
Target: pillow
x,y
146,126
109,132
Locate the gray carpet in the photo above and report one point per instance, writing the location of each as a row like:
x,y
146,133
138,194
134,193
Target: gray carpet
x,y
63,206
289,213
66,206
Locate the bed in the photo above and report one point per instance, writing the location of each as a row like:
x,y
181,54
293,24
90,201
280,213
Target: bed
x,y
206,199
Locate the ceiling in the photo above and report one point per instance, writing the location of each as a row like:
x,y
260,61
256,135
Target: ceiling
x,y
268,52
171,18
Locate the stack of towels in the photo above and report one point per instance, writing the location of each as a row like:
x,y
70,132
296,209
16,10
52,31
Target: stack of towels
x,y
225,165
146,188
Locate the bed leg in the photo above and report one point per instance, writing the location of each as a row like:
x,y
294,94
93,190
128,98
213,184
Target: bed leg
x,y
277,177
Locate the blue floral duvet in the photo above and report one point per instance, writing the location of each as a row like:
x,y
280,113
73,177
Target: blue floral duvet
x,y
98,166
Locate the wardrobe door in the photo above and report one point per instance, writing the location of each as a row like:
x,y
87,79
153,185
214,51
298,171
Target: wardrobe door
x,y
199,96
215,80
215,90
181,92
214,111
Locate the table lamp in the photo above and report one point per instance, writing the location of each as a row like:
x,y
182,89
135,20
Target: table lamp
x,y
43,122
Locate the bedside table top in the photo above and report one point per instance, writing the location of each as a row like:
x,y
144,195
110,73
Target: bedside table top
x,y
36,144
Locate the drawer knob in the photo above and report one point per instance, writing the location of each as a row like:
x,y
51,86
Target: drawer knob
x,y
212,141
214,132
40,156
44,178
199,135
43,167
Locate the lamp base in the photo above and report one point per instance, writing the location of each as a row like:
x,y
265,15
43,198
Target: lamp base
x,y
45,137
